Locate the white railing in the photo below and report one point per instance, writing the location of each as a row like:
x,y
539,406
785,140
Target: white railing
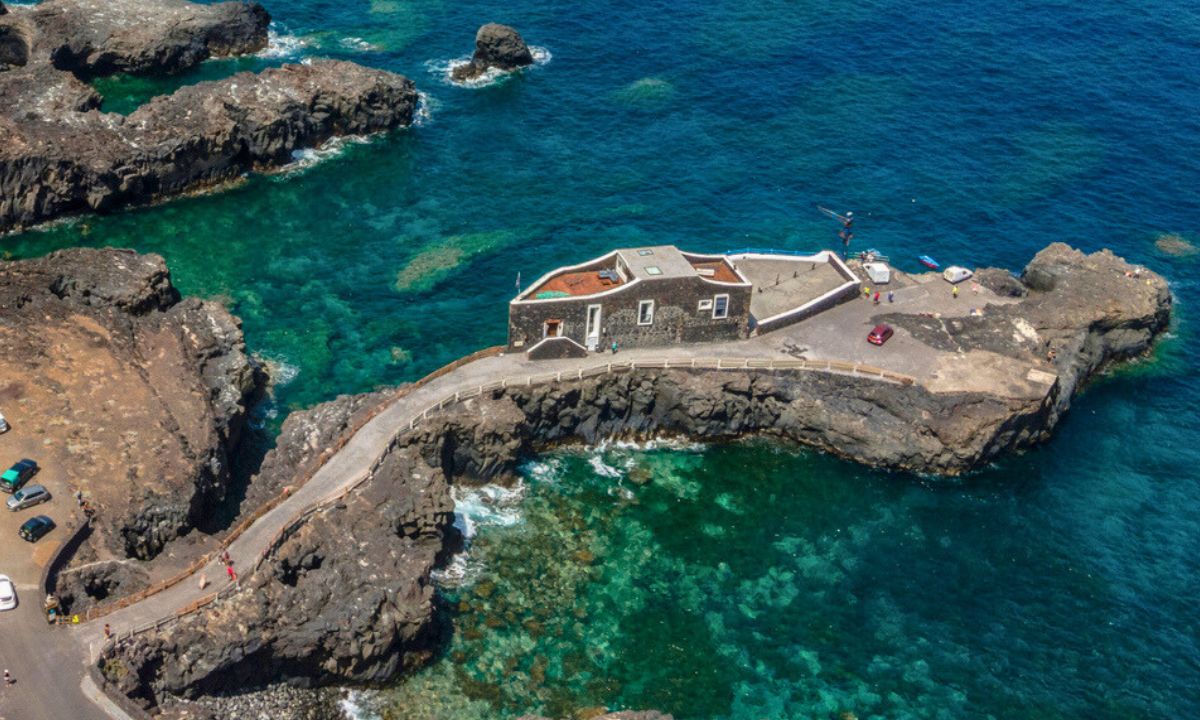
x,y
712,363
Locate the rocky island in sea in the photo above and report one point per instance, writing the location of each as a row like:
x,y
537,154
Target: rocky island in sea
x,y
62,154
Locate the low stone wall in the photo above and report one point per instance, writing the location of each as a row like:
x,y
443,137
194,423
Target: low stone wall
x,y
846,292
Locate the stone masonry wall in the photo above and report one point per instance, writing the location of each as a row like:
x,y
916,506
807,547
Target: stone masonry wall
x,y
676,317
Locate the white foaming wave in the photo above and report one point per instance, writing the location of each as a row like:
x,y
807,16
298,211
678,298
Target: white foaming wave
x,y
426,105
664,443
281,372
490,505
445,68
602,468
357,43
305,158
281,44
547,470
352,709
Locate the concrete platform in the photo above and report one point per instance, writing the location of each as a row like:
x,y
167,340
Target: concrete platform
x,y
782,284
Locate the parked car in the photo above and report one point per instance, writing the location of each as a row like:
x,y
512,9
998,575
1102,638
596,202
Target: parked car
x,y
3,424
35,528
880,334
8,594
17,475
28,496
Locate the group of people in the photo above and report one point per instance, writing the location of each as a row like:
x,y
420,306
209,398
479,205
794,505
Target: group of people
x,y
891,296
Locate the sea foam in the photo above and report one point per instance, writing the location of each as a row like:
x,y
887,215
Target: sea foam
x,y
487,506
491,76
281,44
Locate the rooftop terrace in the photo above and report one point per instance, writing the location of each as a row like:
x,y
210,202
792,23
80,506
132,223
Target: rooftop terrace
x,y
628,265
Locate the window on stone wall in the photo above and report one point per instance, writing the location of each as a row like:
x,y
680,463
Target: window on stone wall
x,y
720,307
704,305
646,312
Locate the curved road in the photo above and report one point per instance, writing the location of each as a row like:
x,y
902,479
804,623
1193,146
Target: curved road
x,y
49,663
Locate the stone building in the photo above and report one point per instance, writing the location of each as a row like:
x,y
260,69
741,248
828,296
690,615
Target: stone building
x,y
655,296
636,297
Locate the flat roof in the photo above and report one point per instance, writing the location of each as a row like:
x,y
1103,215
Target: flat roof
x,y
656,261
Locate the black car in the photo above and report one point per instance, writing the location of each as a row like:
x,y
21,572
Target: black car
x,y
35,528
17,475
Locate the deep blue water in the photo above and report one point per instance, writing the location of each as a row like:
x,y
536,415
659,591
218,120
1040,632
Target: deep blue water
x,y
1058,584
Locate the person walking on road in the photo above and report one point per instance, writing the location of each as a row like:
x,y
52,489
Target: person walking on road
x,y
8,678
107,632
232,574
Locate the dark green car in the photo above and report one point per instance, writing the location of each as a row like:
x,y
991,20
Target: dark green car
x,y
35,528
17,475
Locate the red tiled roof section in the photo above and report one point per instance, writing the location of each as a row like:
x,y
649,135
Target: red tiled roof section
x,y
721,271
577,283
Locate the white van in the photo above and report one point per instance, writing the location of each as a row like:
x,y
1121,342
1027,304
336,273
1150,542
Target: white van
x,y
955,274
879,273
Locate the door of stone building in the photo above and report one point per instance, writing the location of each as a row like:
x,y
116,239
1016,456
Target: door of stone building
x,y
593,327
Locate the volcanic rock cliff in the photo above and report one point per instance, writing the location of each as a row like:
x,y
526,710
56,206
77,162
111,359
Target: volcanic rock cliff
x,y
62,155
122,391
346,598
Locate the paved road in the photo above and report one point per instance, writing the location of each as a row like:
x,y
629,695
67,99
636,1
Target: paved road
x,y
56,656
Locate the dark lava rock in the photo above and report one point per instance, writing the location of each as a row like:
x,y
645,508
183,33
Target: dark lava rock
x,y
347,597
61,155
123,391
91,38
1001,282
496,46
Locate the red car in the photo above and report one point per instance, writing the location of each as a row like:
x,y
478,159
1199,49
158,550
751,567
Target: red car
x,y
880,334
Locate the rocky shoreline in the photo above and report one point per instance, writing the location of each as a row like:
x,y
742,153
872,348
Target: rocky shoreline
x,y
62,155
124,392
319,614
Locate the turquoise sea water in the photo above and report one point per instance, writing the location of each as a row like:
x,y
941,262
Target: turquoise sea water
x,y
749,581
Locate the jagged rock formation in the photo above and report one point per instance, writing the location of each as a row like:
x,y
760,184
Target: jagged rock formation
x,y
62,155
347,597
496,46
122,390
1091,310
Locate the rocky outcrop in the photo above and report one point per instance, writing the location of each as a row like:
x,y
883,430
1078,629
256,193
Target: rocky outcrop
x,y
100,37
122,391
496,46
347,597
61,155
1083,311
325,609
306,439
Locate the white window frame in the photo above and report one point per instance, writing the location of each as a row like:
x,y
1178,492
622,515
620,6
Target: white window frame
x,y
642,304
714,307
704,305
